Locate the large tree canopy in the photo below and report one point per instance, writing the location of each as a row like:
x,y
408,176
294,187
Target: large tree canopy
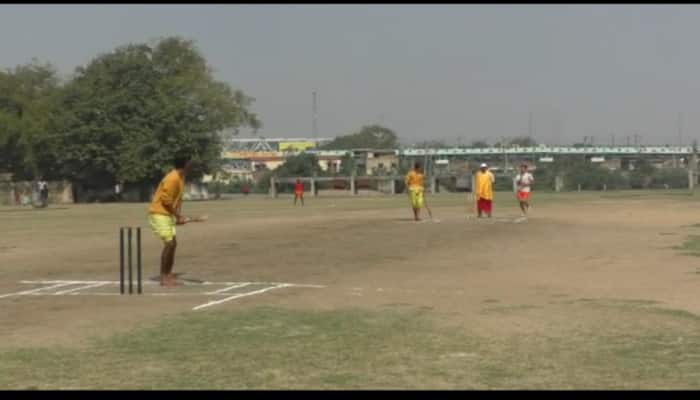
x,y
521,141
479,144
302,164
369,137
27,93
126,114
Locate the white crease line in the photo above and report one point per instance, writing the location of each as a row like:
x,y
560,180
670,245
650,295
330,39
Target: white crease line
x,y
126,294
65,281
226,289
236,296
188,284
25,292
93,285
303,285
143,294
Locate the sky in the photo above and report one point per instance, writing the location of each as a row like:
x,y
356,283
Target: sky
x,y
456,73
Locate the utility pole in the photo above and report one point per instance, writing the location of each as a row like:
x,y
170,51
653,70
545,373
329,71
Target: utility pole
x,y
530,126
693,168
505,154
680,129
425,159
314,115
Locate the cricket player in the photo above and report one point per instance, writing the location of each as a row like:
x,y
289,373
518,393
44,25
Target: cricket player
x,y
484,190
524,182
164,213
299,192
414,184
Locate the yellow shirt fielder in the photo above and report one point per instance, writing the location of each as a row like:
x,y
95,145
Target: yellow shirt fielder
x,y
484,185
484,191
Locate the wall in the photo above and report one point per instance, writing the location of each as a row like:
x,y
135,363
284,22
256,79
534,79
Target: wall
x,y
386,160
59,192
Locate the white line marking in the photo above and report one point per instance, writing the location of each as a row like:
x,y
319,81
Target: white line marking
x,y
26,292
304,285
158,283
92,285
126,294
237,296
65,281
143,294
226,289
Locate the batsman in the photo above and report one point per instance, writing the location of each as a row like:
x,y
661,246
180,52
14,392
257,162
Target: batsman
x,y
164,213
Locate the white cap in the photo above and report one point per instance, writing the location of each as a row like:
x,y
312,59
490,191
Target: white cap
x,y
483,165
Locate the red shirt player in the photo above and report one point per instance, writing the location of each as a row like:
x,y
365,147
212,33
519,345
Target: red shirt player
x,y
299,192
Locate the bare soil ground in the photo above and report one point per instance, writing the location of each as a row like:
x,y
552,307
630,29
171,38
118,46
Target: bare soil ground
x,y
585,266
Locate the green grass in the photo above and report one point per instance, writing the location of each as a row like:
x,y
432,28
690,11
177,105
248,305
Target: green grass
x,y
675,194
632,345
691,246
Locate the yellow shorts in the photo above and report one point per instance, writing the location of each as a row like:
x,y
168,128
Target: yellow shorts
x,y
416,198
163,226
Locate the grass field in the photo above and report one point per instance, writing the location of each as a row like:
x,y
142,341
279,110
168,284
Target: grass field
x,y
594,291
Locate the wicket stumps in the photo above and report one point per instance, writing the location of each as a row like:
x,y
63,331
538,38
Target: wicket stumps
x,y
129,252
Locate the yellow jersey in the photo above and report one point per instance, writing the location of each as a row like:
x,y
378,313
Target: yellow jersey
x,y
169,193
414,180
484,185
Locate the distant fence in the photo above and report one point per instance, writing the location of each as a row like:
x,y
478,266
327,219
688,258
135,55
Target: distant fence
x,y
355,185
544,181
27,193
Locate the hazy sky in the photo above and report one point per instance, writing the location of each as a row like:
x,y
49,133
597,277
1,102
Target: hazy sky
x,y
426,71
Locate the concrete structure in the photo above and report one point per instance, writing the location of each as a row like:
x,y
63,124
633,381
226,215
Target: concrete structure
x,y
379,162
274,144
24,193
385,184
458,161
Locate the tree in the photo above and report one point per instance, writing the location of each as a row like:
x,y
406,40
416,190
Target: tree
x,y
479,144
369,137
347,164
642,175
27,95
523,141
302,164
129,112
432,144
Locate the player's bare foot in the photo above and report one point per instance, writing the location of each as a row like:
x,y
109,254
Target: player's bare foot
x,y
171,283
168,281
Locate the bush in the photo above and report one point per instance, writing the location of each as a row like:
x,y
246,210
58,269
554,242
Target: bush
x,y
676,178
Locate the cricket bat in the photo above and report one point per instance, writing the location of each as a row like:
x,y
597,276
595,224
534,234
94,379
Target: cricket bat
x,y
425,204
200,218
